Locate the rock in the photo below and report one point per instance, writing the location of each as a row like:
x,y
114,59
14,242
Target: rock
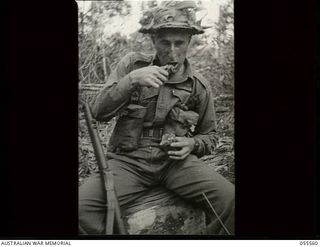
x,y
167,220
162,212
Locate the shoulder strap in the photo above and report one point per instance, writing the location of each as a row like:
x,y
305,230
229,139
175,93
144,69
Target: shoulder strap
x,y
202,80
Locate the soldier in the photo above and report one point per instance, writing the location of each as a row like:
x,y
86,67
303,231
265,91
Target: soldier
x,y
165,122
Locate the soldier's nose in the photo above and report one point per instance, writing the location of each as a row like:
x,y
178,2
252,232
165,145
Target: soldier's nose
x,y
172,57
173,49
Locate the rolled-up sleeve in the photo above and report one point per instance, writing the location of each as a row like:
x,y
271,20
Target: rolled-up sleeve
x,y
205,132
116,93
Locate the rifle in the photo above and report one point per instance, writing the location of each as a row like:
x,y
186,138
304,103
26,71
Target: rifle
x,y
114,220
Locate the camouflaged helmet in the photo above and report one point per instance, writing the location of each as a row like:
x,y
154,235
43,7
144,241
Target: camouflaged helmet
x,y
171,14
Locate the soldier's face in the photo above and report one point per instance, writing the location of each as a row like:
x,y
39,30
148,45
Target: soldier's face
x,y
171,46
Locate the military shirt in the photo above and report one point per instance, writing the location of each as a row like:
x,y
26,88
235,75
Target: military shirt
x,y
119,92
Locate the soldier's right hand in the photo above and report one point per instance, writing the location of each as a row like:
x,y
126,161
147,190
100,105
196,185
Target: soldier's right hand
x,y
151,76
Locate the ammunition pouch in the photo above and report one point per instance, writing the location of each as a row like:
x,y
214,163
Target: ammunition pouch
x,y
129,127
179,122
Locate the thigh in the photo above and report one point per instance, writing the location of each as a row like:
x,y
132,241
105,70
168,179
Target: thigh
x,y
92,205
191,177
130,180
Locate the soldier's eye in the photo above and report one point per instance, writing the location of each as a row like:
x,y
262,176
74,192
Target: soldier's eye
x,y
164,42
179,43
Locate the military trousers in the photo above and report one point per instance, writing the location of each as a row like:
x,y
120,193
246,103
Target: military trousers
x,y
133,179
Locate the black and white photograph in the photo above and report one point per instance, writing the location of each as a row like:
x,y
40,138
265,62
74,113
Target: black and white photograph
x,y
156,117
160,120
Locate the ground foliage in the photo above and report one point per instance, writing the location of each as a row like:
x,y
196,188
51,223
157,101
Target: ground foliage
x,y
212,55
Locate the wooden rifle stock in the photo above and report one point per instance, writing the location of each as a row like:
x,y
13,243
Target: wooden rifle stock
x,y
114,220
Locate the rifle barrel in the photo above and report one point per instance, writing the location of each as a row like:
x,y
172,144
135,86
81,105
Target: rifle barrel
x,y
113,214
92,128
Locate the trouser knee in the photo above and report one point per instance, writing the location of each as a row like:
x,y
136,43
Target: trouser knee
x,y
222,198
92,206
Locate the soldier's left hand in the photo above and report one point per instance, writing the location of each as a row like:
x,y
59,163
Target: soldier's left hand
x,y
186,144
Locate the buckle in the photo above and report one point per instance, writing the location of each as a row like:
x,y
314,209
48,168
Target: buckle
x,y
150,132
154,132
